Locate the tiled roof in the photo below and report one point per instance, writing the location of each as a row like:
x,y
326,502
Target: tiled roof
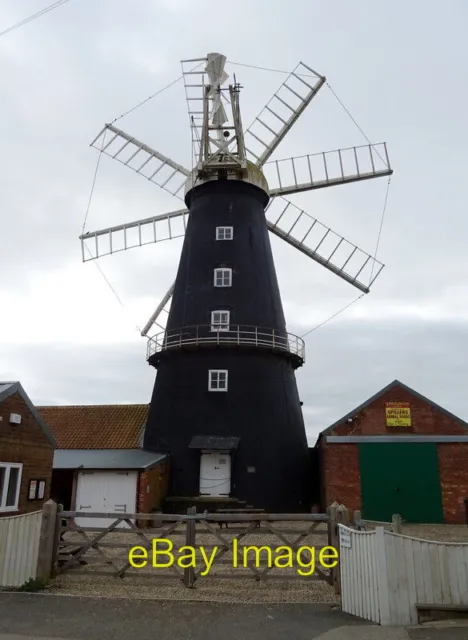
x,y
116,426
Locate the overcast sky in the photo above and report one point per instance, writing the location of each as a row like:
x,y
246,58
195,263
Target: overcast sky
x,y
400,69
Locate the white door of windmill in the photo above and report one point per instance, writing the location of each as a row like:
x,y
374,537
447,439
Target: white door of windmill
x,y
215,474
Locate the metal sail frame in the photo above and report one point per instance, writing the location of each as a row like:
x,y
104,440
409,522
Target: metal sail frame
x,y
256,144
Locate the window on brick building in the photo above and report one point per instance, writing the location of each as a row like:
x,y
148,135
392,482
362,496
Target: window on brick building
x,y
10,482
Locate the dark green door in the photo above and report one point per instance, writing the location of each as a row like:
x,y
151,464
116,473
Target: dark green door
x,y
400,478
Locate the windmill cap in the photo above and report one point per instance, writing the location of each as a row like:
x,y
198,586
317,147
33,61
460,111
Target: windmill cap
x,y
252,175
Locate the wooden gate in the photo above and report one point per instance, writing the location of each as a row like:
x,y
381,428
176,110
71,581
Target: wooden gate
x,y
224,546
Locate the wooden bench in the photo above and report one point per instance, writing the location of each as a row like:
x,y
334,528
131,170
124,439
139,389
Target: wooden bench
x,y
238,511
431,612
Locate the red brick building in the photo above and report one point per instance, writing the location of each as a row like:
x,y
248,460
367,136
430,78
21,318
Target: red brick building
x,y
99,464
26,453
398,452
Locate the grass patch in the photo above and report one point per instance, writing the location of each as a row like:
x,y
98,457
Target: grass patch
x,y
32,585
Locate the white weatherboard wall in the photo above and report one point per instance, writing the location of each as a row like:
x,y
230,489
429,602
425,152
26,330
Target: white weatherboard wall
x,y
19,545
384,575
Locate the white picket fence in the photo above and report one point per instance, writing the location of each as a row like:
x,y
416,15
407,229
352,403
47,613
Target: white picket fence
x,y
384,575
19,544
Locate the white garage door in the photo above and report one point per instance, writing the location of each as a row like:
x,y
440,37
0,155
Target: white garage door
x,y
105,492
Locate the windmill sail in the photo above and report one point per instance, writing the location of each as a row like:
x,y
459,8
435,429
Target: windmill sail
x,y
322,244
327,169
158,319
168,226
149,163
281,112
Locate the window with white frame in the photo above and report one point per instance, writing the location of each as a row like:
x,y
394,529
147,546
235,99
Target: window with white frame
x,y
223,277
224,233
220,320
10,483
217,380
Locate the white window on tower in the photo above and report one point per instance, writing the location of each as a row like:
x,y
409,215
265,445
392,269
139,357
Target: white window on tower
x,y
224,233
10,483
217,380
222,277
220,320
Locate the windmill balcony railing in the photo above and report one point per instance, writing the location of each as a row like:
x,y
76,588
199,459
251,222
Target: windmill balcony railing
x,y
227,335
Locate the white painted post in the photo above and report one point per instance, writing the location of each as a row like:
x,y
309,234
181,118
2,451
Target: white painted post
x,y
342,515
382,576
396,523
357,518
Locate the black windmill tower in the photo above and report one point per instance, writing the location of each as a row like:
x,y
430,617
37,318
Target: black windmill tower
x,y
225,404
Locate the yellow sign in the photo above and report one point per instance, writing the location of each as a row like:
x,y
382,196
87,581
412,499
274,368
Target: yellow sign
x,y
398,414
